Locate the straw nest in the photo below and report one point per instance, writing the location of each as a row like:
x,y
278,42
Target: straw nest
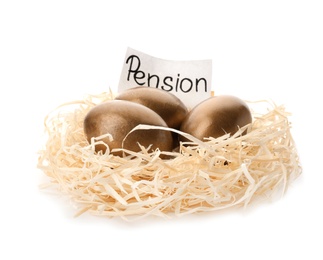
x,y
205,176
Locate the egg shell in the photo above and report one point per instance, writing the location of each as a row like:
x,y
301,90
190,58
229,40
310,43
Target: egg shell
x,y
118,118
216,116
164,103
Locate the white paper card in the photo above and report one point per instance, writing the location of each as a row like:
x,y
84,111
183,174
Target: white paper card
x,y
190,81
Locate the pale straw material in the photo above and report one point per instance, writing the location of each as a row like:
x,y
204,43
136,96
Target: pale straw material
x,y
204,176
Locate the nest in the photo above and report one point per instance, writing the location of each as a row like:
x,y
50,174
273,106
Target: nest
x,y
215,174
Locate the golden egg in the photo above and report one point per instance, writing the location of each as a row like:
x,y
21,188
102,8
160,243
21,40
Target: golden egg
x,y
216,116
118,118
164,103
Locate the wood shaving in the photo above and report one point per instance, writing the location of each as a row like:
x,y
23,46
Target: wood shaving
x,y
229,171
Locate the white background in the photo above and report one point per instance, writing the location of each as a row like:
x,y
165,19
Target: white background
x,y
53,52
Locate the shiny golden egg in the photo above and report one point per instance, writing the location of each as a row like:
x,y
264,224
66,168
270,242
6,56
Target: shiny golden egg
x,y
118,118
216,116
